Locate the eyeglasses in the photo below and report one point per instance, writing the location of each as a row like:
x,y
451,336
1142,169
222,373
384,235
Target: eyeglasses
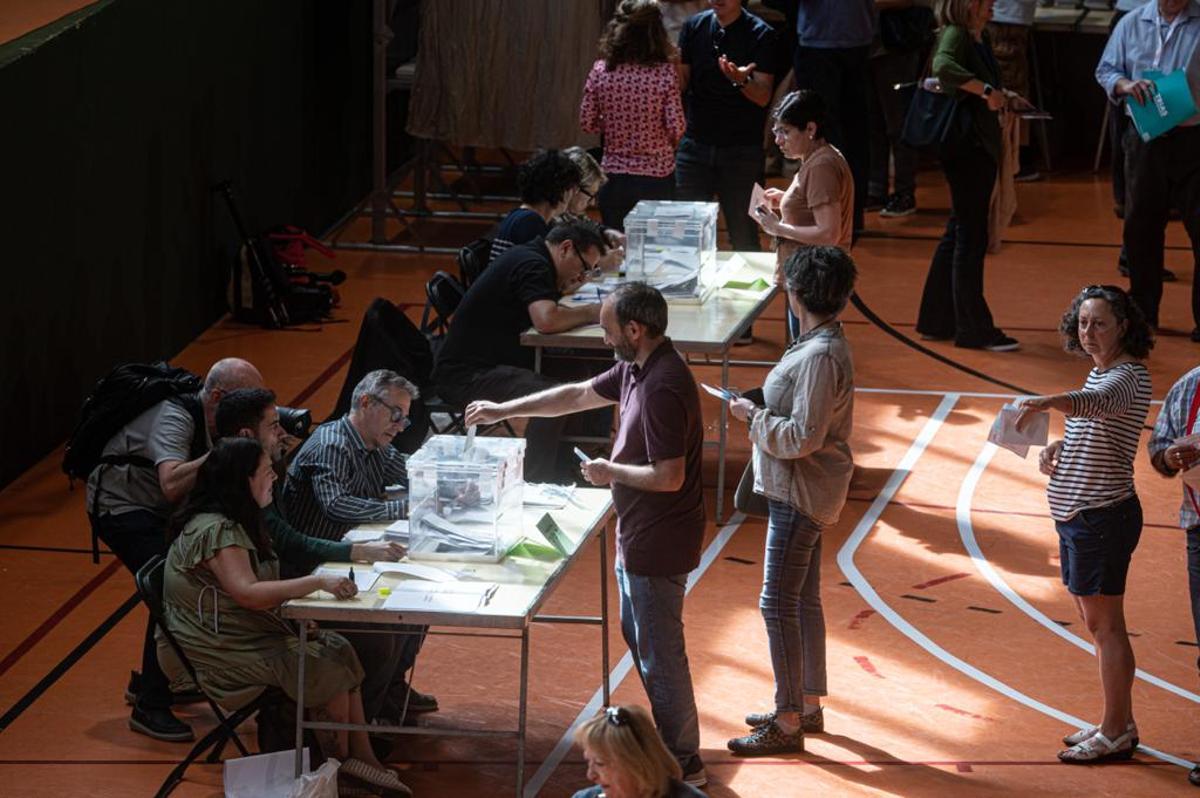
x,y
591,196
587,267
397,415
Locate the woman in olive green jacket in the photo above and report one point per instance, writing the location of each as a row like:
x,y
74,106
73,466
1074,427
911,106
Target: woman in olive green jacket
x,y
952,305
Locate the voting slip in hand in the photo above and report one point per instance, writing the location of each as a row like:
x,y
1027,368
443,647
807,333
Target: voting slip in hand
x,y
1034,432
758,199
1190,476
724,394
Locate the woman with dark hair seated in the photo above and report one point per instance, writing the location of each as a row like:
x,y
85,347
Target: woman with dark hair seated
x,y
626,758
546,183
1092,497
818,207
221,595
802,465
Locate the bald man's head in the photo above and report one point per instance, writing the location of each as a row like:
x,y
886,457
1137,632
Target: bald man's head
x,y
229,374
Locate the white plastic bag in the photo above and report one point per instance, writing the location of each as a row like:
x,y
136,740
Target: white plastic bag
x,y
320,784
265,775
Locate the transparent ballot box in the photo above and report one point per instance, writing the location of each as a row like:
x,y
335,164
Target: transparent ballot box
x,y
465,505
673,246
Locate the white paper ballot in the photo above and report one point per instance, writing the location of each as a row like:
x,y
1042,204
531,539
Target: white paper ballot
x,y
470,439
554,497
363,535
444,596
364,576
1191,476
1004,432
415,569
724,394
758,196
398,528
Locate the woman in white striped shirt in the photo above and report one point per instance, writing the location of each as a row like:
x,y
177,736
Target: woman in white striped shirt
x,y
1092,498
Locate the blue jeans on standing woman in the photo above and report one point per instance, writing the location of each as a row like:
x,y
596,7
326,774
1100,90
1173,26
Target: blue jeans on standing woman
x,y
791,606
1193,565
652,624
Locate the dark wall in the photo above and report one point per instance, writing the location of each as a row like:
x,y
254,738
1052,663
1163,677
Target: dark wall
x,y
117,122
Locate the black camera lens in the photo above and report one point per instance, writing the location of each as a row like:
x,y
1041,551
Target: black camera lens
x,y
295,421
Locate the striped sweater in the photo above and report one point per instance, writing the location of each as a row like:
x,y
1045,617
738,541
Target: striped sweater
x,y
1104,427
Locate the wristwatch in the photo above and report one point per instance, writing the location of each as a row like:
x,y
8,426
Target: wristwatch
x,y
988,89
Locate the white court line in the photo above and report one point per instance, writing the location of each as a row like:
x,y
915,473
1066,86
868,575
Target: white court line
x,y
966,394
966,531
845,559
623,667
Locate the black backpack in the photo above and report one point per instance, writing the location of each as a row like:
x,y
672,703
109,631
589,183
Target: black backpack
x,y
118,398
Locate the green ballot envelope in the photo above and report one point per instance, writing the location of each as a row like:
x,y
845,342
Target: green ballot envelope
x,y
1170,103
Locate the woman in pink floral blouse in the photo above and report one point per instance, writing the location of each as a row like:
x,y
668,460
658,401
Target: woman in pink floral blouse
x,y
632,98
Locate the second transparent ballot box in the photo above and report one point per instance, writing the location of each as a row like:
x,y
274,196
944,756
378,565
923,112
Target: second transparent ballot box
x,y
672,246
465,504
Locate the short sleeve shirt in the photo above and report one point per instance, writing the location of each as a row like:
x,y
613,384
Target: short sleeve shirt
x,y
823,178
521,226
161,434
658,533
717,113
486,328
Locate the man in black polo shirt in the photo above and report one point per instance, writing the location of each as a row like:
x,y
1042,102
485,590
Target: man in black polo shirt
x,y
482,356
729,58
655,474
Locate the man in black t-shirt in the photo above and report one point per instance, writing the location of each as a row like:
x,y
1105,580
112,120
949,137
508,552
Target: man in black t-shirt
x,y
482,356
729,61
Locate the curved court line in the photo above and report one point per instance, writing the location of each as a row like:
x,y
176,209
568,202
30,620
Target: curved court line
x,y
966,531
845,559
618,674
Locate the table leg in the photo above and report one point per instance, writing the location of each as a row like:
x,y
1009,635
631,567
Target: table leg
x,y
521,712
604,613
721,445
303,636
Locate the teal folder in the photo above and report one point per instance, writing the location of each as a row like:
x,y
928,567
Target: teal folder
x,y
1170,103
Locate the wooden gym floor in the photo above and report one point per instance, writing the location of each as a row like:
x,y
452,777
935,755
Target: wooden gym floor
x,y
955,660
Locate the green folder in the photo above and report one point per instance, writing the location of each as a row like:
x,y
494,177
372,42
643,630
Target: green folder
x,y
1170,103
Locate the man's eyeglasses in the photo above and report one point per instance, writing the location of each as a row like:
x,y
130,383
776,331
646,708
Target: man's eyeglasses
x,y
587,267
398,416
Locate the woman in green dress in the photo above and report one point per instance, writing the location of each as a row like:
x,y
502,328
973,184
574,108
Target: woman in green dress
x,y
221,596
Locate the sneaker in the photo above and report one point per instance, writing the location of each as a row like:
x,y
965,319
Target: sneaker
x,y
418,703
161,725
695,775
1169,276
899,205
768,740
874,202
1027,174
1002,343
193,696
929,337
810,722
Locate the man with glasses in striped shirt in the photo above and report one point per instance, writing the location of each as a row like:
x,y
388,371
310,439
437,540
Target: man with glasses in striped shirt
x,y
339,479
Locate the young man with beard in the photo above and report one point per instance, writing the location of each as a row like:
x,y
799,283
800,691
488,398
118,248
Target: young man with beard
x,y
656,483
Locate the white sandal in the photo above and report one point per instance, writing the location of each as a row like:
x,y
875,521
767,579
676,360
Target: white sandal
x,y
1078,737
1098,748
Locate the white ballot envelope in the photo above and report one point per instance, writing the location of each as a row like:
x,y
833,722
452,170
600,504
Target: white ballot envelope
x,y
1004,432
1190,476
758,196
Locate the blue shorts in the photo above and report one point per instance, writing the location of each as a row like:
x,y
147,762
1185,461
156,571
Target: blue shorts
x,y
1095,546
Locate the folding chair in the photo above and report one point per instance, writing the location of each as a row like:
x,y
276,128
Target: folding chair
x,y
473,259
149,580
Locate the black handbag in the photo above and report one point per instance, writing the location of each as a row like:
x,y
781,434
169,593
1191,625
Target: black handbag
x,y
745,499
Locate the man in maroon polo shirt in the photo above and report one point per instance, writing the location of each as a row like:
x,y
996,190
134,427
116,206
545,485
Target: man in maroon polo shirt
x,y
656,484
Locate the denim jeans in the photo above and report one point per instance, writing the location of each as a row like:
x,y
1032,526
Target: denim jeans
x,y
702,170
652,624
1193,562
621,192
791,606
